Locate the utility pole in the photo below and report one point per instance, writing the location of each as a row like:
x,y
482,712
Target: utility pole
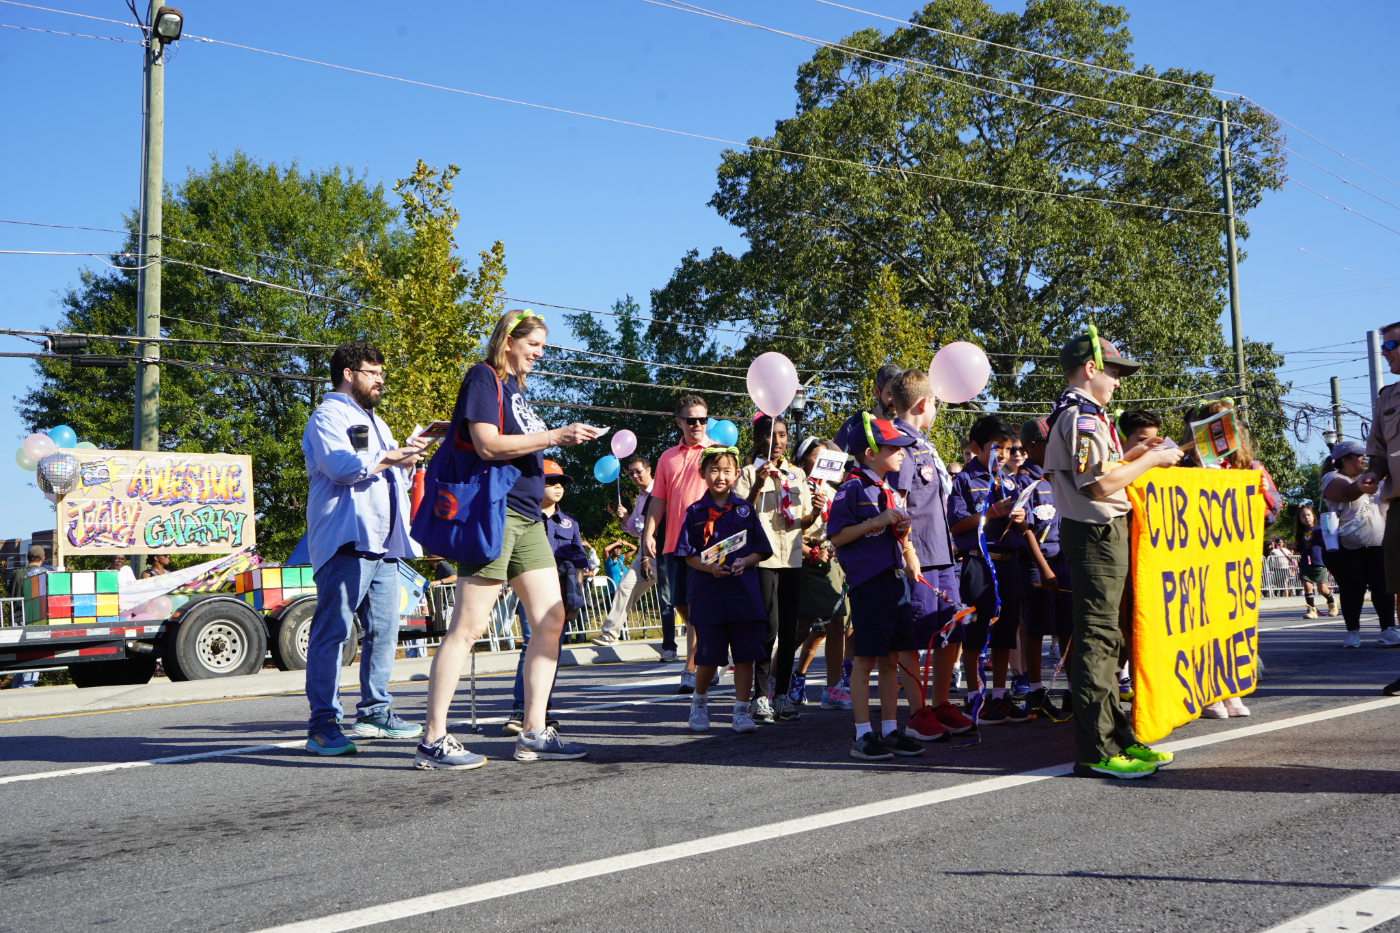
x,y
148,314
1373,361
1232,256
1337,407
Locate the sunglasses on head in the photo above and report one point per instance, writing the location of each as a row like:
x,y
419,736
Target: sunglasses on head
x,y
694,421
1389,345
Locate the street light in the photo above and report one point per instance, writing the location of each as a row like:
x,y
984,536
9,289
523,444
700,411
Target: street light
x,y
1330,439
169,22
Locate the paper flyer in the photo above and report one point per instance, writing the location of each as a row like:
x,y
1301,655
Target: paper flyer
x,y
717,552
1215,437
830,466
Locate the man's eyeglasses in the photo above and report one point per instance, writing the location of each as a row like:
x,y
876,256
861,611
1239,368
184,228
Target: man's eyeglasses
x,y
694,421
371,372
1389,345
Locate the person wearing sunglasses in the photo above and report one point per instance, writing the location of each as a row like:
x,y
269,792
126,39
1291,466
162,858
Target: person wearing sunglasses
x,y
677,485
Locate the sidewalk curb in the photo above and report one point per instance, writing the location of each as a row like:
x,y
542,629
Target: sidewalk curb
x,y
67,699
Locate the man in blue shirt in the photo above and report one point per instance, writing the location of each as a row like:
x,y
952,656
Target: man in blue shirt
x,y
356,532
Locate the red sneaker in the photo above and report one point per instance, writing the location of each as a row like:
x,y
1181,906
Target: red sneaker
x,y
953,719
925,727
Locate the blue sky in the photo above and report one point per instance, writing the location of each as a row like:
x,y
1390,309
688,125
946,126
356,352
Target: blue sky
x,y
590,211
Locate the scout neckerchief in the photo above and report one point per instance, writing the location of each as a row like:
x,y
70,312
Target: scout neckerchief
x,y
715,515
784,493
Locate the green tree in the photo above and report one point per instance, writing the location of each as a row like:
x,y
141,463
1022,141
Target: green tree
x,y
436,315
280,224
917,155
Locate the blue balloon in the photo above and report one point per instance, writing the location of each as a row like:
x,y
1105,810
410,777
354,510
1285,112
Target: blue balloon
x,y
724,433
63,436
607,469
710,427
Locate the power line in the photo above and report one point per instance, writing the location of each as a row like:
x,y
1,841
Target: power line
x,y
1319,142
167,361
76,35
1255,226
101,19
638,317
171,340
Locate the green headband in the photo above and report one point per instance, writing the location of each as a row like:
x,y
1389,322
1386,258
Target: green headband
x,y
520,317
869,432
1098,347
716,451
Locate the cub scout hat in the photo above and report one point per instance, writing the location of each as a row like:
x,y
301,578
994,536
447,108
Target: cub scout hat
x,y
1081,349
1036,429
554,473
878,432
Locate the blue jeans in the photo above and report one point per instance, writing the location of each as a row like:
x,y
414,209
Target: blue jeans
x,y
28,679
346,587
519,695
673,577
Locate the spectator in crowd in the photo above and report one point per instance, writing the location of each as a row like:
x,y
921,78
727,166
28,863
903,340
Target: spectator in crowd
x,y
1358,562
38,564
634,583
1311,569
160,564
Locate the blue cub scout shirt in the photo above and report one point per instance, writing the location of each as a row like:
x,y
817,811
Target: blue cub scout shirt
x,y
565,541
716,601
1041,513
926,500
969,489
858,500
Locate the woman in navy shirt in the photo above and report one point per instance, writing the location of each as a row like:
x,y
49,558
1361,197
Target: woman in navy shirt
x,y
500,425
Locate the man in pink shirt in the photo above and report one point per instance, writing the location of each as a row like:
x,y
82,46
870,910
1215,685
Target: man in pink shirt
x,y
676,487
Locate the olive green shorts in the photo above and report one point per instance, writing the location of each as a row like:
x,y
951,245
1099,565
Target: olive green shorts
x,y
524,547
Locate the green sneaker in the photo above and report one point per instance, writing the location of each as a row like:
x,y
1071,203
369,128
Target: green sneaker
x,y
1140,752
1119,766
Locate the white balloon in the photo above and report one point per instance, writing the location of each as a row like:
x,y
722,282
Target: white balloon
x,y
959,372
772,382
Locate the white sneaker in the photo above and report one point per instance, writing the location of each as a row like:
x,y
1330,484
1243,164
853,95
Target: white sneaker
x,y
699,714
1236,708
687,683
1215,710
1388,638
1351,640
743,722
668,656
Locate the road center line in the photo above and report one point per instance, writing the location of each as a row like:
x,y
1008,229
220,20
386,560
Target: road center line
x,y
297,743
1361,911
458,897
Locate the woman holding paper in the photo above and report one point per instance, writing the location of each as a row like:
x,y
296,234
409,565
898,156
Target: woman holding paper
x,y
1354,555
777,489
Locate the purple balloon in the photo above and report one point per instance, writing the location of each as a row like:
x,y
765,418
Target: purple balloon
x,y
959,372
772,382
624,442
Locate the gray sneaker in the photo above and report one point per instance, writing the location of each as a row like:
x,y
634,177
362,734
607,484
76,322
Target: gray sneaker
x,y
699,720
604,639
784,710
668,656
761,710
742,722
446,754
385,724
687,686
546,745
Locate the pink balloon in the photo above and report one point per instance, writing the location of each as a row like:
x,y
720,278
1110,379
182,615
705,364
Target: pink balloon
x,y
959,372
772,383
624,442
38,446
159,607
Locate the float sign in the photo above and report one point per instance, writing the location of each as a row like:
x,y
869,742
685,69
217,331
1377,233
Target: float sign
x,y
142,502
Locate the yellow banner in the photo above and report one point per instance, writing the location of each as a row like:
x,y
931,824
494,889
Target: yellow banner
x,y
1197,539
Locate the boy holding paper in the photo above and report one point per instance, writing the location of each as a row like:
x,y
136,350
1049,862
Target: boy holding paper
x,y
726,610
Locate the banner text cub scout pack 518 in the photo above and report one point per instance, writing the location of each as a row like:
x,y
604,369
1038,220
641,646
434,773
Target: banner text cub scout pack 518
x,y
1197,544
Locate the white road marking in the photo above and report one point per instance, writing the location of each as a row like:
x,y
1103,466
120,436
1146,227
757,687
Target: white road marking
x,y
445,900
1279,628
297,743
1362,911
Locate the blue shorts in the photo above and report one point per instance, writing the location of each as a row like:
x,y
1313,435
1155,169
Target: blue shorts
x,y
882,616
1047,613
975,586
716,641
931,612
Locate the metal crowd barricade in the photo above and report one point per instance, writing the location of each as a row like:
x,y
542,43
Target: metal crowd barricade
x,y
503,632
11,612
1281,578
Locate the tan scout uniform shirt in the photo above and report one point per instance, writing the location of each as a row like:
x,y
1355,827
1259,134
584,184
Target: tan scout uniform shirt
x,y
1384,439
1082,449
785,537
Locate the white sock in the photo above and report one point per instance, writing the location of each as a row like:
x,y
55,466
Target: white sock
x,y
741,705
861,729
1037,686
998,693
698,699
888,725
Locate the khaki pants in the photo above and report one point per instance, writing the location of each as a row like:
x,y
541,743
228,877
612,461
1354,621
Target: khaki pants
x,y
1098,564
628,592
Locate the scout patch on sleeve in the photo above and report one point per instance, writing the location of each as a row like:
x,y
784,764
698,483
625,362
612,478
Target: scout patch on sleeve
x,y
1083,455
1086,424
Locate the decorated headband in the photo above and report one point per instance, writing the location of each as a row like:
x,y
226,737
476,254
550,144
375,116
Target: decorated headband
x,y
520,317
1098,347
716,451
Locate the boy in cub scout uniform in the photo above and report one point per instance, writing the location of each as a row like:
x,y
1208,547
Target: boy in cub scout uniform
x,y
1089,472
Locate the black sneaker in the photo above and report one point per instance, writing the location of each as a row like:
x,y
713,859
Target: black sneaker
x,y
1015,712
515,723
869,748
1390,690
902,745
1066,707
1038,704
994,712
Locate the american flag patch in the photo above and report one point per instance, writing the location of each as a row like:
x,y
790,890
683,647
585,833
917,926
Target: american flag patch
x,y
1086,423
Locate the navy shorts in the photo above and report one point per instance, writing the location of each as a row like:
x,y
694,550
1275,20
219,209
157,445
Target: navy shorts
x,y
716,641
931,612
882,616
975,585
1047,613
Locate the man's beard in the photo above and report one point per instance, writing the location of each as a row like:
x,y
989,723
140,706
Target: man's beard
x,y
366,400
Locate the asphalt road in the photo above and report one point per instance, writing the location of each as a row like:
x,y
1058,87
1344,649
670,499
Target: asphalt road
x,y
1241,834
